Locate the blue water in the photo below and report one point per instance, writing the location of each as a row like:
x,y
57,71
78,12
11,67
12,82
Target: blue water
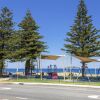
x,y
88,71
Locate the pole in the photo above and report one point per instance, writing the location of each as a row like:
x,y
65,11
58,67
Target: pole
x,y
40,66
6,67
37,66
17,71
95,70
70,65
63,68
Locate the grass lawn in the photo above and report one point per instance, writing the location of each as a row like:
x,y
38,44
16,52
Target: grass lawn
x,y
33,80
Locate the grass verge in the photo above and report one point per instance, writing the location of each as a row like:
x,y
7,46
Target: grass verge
x,y
33,80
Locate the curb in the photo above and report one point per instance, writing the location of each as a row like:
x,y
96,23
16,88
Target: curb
x,y
4,79
50,84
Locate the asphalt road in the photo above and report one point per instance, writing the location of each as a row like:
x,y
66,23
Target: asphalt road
x,y
39,92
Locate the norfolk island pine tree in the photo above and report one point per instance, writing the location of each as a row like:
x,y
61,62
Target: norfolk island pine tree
x,y
83,39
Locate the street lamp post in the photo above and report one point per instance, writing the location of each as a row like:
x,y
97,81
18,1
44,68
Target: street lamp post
x,y
40,64
70,65
63,66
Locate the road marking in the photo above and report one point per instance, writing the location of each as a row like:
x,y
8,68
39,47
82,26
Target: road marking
x,y
4,99
93,96
21,98
5,88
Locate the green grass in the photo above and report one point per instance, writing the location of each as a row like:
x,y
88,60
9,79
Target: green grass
x,y
33,80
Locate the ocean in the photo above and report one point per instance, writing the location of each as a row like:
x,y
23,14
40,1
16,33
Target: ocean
x,y
59,70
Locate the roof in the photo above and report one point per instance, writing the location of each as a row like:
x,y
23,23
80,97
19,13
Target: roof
x,y
87,60
51,57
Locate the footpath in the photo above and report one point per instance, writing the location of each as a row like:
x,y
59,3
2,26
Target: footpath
x,y
51,84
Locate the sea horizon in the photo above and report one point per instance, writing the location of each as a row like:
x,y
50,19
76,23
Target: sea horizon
x,y
58,70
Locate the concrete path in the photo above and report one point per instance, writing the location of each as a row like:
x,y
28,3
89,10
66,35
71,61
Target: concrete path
x,y
52,84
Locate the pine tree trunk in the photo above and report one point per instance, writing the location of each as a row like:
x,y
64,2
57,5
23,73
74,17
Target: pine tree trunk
x,y
1,68
26,70
31,70
31,66
83,69
27,67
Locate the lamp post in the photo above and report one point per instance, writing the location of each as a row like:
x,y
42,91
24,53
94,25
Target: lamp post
x,y
40,65
63,66
70,65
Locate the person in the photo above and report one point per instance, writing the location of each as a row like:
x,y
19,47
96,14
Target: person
x,y
86,66
84,69
55,68
50,68
10,74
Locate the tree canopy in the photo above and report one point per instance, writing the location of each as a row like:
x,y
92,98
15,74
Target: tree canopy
x,y
6,30
83,38
31,44
23,44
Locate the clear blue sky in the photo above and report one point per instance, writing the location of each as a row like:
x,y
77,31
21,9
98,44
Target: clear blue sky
x,y
53,16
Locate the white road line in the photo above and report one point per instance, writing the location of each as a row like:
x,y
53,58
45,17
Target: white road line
x,y
93,96
21,98
4,99
5,88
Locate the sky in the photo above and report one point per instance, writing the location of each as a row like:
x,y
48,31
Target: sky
x,y
54,17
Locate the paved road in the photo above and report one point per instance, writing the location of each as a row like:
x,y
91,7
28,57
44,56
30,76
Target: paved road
x,y
39,92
